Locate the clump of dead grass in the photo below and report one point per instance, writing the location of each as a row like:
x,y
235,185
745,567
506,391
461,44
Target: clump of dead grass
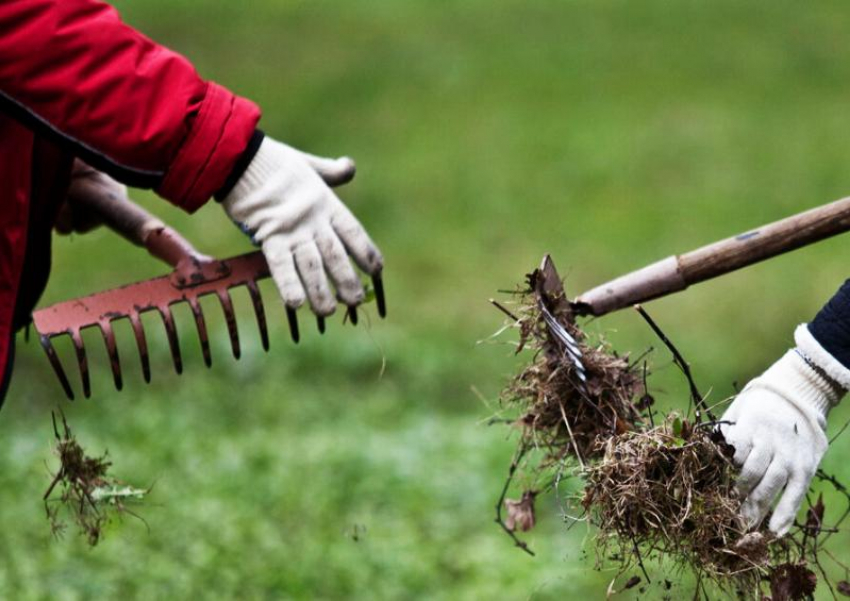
x,y
669,491
559,413
663,492
88,496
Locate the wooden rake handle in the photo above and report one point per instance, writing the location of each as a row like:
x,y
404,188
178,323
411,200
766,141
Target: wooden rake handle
x,y
132,222
677,272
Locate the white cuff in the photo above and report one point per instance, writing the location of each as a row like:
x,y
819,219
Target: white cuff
x,y
799,383
265,164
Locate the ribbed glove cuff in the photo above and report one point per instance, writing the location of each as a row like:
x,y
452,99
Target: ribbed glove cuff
x,y
812,350
802,383
266,163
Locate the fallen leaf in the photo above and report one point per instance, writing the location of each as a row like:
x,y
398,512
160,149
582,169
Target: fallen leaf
x,y
792,582
814,517
521,513
645,402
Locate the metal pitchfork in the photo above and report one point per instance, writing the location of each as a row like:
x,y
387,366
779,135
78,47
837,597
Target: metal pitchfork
x,y
195,275
678,272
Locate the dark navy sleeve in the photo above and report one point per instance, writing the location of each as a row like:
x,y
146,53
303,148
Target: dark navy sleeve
x,y
831,326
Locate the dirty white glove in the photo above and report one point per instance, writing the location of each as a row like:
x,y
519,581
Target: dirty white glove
x,y
283,202
777,426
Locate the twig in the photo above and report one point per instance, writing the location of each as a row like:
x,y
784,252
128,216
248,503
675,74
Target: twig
x,y
839,487
823,573
645,391
498,420
503,309
641,357
511,471
699,401
572,438
840,431
839,563
640,561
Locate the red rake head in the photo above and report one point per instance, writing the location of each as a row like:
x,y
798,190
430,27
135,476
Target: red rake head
x,y
159,294
186,284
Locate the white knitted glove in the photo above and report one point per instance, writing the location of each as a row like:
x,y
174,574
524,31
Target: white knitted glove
x,y
305,231
777,427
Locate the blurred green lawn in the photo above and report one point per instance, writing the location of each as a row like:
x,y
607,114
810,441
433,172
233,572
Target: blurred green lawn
x,y
486,133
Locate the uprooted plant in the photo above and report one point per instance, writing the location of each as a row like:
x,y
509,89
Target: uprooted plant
x,y
88,495
661,491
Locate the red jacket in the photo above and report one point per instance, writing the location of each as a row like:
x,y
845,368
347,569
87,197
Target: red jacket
x,y
76,81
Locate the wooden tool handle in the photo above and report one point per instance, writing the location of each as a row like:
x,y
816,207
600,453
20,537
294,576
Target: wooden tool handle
x,y
96,196
676,273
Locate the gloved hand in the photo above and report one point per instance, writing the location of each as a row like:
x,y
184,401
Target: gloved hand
x,y
71,218
777,426
304,230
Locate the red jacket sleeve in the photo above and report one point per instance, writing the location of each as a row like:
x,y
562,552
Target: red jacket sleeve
x,y
132,108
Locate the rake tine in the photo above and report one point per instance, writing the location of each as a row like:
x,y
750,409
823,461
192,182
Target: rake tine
x,y
82,360
202,329
378,285
320,321
352,315
112,349
292,318
230,317
257,301
142,343
57,366
173,341
569,343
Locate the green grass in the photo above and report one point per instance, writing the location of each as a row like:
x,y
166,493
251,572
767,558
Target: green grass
x,y
486,134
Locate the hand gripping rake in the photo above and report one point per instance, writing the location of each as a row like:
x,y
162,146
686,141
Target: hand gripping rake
x,y
194,276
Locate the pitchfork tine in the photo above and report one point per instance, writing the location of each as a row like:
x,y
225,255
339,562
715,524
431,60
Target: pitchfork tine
x,y
112,349
378,285
82,360
142,343
202,329
230,318
57,366
292,318
320,321
173,341
352,315
257,301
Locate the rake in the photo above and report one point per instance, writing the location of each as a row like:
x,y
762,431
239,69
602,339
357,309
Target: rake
x,y
678,272
194,276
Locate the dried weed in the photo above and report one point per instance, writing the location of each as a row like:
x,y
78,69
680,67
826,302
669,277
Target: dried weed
x,y
662,492
88,494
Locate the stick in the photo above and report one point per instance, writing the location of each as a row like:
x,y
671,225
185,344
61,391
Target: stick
x,y
840,431
503,309
645,391
572,438
640,562
511,471
696,397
